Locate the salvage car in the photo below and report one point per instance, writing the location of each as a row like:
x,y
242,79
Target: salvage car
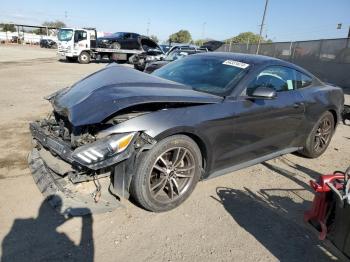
x,y
212,45
156,135
126,40
140,60
173,55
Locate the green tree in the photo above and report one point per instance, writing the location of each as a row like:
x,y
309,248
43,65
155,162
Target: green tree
x,y
154,38
246,37
8,27
183,36
56,24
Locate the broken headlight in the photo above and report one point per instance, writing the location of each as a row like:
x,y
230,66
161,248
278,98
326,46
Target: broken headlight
x,y
103,149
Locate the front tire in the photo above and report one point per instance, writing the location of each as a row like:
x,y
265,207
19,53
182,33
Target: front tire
x,y
115,45
167,174
84,58
320,136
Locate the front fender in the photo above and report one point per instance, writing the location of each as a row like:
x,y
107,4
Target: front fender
x,y
164,123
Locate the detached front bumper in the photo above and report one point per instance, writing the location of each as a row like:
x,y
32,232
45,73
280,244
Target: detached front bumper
x,y
58,177
66,197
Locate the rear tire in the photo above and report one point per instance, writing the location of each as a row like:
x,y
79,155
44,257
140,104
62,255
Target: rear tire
x,y
167,174
84,58
319,137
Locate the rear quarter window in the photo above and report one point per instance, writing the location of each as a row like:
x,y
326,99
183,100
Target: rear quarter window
x,y
303,80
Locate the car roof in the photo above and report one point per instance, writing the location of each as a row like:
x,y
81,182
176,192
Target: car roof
x,y
254,59
126,33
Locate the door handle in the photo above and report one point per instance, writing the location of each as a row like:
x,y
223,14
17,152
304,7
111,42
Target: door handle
x,y
298,104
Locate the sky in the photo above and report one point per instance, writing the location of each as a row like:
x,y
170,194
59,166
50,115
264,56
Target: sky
x,y
220,19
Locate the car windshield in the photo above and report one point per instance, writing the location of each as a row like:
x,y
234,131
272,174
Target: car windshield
x,y
215,75
65,34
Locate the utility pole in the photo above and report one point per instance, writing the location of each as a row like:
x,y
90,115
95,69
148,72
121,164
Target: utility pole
x,y
203,31
147,30
66,17
261,26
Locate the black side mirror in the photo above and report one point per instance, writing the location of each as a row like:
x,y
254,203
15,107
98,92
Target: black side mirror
x,y
264,93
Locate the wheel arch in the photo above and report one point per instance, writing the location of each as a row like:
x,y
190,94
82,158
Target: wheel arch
x,y
335,116
201,141
86,51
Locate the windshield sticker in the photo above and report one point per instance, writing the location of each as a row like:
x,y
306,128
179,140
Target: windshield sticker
x,y
235,63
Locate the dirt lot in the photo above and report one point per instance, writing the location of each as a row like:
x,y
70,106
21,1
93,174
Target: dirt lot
x,y
251,215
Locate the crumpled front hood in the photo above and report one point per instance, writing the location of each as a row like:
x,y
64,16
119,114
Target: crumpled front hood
x,y
105,92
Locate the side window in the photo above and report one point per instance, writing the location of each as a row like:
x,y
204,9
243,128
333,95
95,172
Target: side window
x,y
127,35
278,78
83,35
80,35
303,80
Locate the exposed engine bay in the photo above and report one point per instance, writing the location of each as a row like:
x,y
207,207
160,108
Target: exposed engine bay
x,y
77,157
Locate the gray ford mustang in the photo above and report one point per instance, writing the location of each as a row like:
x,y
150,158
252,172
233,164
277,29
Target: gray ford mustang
x,y
155,136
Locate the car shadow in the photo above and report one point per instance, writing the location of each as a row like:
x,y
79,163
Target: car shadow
x,y
293,176
268,217
37,239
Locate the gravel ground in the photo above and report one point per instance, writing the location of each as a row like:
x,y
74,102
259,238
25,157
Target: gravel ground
x,y
254,214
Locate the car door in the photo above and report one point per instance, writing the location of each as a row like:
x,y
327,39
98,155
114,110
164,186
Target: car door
x,y
260,127
80,40
128,41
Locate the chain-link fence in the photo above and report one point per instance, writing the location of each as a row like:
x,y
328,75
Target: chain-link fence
x,y
328,59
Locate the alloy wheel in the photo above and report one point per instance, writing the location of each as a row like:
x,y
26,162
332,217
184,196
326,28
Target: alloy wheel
x,y
171,174
323,134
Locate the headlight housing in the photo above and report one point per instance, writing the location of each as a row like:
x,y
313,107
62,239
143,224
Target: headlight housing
x,y
103,149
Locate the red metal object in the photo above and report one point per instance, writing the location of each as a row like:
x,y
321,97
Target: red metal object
x,y
321,203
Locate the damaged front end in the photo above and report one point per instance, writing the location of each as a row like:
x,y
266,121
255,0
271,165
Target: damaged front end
x,y
97,131
86,170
